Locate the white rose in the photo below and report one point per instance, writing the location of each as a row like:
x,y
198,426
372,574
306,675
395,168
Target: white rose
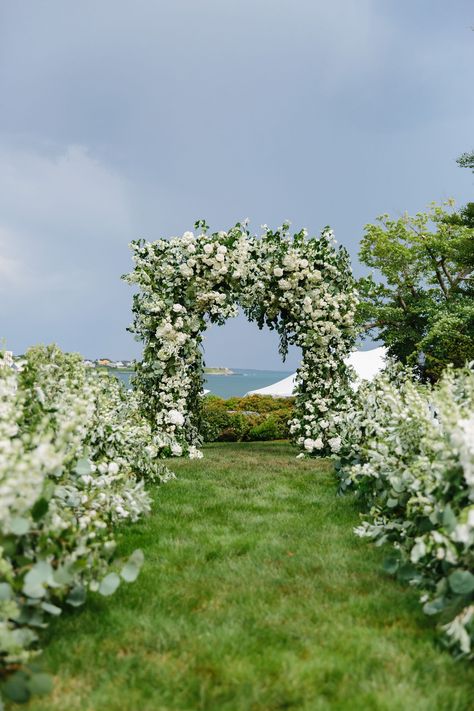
x,y
208,248
175,417
335,443
176,449
278,272
185,270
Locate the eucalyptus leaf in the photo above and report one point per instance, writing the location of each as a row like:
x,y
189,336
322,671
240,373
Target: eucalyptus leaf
x,y
6,592
63,575
83,466
19,526
52,609
390,565
16,688
40,684
433,607
109,584
77,596
461,582
131,569
449,519
36,579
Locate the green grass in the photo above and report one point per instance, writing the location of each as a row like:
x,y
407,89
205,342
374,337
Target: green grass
x,y
255,596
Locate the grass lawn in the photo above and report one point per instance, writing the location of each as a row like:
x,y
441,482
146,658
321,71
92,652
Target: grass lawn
x,y
255,595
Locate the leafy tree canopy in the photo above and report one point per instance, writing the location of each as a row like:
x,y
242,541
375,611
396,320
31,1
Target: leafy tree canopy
x,y
422,304
466,160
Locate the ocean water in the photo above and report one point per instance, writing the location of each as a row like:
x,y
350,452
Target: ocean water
x,y
237,385
243,380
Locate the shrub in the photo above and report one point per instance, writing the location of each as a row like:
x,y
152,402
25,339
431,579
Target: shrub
x,y
246,419
215,418
408,450
73,456
266,430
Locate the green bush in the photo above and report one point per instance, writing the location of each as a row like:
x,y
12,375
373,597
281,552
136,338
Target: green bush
x,y
74,454
252,418
266,430
407,449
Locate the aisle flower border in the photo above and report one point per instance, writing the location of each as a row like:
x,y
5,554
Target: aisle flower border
x,y
301,286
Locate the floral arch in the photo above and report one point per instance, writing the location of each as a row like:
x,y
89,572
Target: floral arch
x,y
302,287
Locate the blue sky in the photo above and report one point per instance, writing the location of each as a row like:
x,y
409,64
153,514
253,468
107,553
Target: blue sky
x,y
132,118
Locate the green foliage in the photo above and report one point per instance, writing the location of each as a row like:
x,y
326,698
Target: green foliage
x,y
408,450
74,451
252,418
466,160
267,430
422,306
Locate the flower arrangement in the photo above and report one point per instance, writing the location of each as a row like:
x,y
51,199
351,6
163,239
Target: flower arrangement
x,y
300,286
408,450
74,456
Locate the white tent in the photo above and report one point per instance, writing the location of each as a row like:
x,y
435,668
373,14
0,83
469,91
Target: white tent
x,y
366,364
284,388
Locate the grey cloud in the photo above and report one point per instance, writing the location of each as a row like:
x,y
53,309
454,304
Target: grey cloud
x,y
129,118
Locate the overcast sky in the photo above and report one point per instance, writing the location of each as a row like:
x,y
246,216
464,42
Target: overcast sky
x,y
132,118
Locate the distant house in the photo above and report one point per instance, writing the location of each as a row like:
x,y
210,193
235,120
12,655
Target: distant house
x,y
119,364
89,363
103,361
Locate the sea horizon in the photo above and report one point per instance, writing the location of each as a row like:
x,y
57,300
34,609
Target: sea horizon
x,y
237,384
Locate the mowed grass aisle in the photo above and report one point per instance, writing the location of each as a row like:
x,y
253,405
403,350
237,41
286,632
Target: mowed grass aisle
x,y
255,595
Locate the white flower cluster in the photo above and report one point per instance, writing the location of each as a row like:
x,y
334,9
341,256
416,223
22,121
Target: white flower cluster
x,y
409,451
301,287
74,453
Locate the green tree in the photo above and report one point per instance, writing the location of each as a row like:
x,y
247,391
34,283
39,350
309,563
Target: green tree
x,y
422,305
466,160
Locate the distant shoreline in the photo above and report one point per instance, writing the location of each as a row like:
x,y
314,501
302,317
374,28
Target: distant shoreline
x,y
207,371
218,371
128,369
